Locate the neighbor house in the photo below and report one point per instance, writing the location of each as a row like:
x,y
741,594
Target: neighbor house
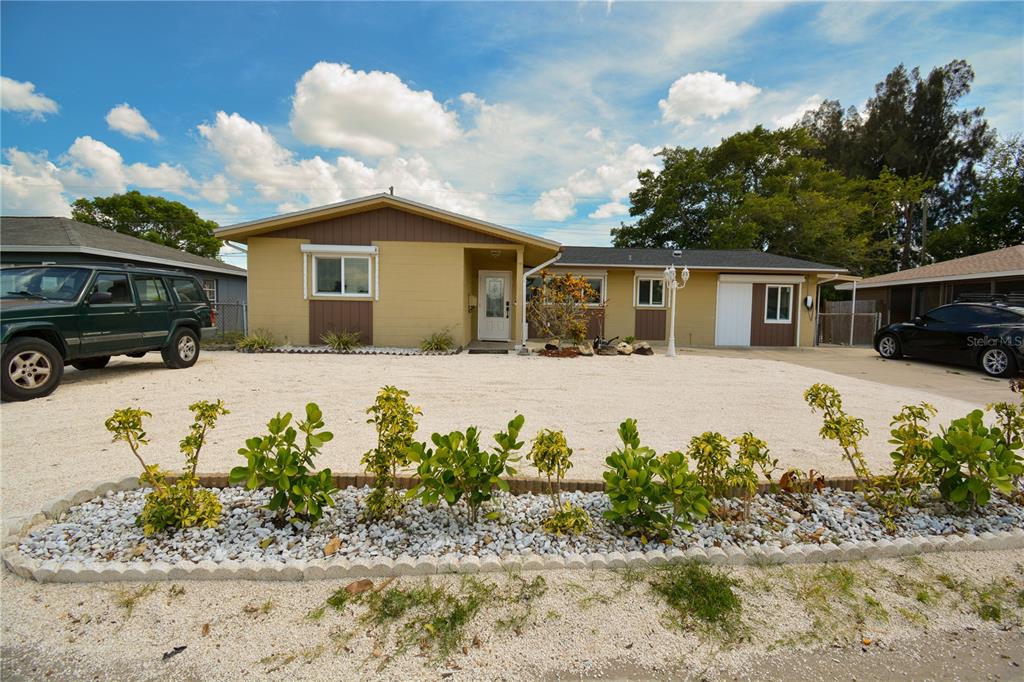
x,y
397,270
900,296
25,241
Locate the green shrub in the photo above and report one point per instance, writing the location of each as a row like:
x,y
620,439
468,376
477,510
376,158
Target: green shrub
x,y
710,454
971,459
686,497
341,341
276,461
395,421
458,469
258,339
181,504
839,426
552,456
441,341
752,456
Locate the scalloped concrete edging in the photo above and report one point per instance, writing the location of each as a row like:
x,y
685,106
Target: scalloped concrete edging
x,y
326,569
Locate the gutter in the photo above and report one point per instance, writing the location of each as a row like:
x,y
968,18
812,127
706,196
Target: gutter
x,y
522,298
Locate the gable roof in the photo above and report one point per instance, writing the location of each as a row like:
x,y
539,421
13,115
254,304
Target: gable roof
x,y
264,225
1006,262
63,235
695,259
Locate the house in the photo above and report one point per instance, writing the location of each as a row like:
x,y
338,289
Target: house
x,y
900,296
28,241
396,270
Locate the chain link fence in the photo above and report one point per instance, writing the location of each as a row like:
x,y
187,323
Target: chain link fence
x,y
231,318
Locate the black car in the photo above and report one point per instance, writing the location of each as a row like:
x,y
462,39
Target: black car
x,y
989,335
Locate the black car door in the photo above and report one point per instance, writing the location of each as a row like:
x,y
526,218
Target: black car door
x,y
949,333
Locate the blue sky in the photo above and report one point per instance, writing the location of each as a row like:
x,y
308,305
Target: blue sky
x,y
534,115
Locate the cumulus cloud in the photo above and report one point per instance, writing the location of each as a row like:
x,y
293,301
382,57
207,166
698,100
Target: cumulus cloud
x,y
251,154
794,115
705,94
595,134
555,204
94,167
129,121
610,210
216,189
22,97
31,186
372,113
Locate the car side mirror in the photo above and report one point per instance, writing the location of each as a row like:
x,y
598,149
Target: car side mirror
x,y
918,319
101,297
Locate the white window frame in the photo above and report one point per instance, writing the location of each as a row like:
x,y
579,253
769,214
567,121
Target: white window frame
x,y
788,320
636,292
604,289
342,257
212,296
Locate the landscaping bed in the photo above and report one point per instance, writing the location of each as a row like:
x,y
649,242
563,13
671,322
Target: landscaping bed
x,y
358,350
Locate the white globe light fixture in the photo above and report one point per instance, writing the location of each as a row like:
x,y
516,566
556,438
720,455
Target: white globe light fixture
x,y
672,284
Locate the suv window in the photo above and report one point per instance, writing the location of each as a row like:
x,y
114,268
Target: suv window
x,y
151,290
998,316
188,290
115,285
56,283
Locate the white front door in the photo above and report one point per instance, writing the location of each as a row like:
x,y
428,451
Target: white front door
x,y
494,306
732,318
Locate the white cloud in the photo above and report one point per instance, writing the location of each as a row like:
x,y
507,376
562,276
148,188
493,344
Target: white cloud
x,y
21,97
588,235
610,210
31,186
128,120
372,113
216,189
93,167
251,154
794,115
555,204
595,134
705,94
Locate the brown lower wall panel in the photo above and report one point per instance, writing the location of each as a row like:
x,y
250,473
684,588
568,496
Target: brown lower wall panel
x,y
339,316
650,325
764,334
595,325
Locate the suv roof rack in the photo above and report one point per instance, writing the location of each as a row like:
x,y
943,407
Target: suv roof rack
x,y
1011,298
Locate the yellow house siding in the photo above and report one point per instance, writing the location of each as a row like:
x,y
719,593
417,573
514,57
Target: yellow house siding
x,y
422,290
620,318
695,309
275,289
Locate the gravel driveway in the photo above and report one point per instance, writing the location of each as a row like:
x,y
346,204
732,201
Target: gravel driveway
x,y
59,443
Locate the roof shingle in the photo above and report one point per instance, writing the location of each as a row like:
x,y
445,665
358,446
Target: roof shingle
x,y
693,258
1008,260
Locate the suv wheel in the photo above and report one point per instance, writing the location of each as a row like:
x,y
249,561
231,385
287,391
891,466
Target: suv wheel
x,y
998,362
889,347
183,350
91,363
32,368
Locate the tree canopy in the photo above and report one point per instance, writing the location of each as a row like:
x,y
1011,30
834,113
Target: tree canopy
x,y
152,218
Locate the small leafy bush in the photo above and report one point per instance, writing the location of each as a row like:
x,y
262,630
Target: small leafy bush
x,y
277,461
839,426
752,456
441,342
710,454
181,504
341,341
459,469
258,339
395,421
971,459
558,307
552,456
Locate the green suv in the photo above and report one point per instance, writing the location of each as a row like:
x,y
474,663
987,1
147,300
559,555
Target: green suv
x,y
80,315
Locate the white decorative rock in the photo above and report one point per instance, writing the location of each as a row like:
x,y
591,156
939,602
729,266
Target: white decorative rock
x,y
575,562
615,560
656,557
717,555
469,564
47,571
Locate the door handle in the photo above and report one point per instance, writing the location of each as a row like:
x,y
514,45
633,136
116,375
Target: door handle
x,y
508,307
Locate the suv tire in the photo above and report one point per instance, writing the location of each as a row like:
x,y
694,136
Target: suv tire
x,y
183,350
91,363
997,362
32,368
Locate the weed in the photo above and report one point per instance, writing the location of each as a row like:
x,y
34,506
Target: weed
x,y
263,609
521,596
697,593
256,340
441,341
317,613
129,599
341,341
175,591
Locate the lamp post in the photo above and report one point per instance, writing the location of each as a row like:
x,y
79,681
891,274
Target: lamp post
x,y
671,284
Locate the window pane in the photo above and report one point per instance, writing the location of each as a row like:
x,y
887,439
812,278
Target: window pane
x,y
784,296
188,290
657,292
494,291
772,309
595,284
328,275
210,287
151,290
357,275
116,286
645,292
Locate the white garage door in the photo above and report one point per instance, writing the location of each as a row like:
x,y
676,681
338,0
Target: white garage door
x,y
732,319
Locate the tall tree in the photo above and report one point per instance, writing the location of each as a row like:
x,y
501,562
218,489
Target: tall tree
x,y
152,218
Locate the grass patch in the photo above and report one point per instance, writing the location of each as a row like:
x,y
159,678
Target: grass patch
x,y
261,609
521,596
699,595
129,599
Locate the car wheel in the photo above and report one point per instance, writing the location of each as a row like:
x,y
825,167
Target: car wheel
x,y
91,363
889,347
998,362
183,350
32,368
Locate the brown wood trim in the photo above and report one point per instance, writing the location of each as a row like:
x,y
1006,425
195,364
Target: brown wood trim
x,y
650,324
764,334
385,224
338,316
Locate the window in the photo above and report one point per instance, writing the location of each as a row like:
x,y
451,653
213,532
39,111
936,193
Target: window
x,y
151,290
597,284
533,282
115,285
778,304
60,284
188,290
341,276
650,292
210,287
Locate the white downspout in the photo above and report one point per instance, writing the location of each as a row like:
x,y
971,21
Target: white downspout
x,y
522,297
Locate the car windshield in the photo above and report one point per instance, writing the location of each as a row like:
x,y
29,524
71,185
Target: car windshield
x,y
44,283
